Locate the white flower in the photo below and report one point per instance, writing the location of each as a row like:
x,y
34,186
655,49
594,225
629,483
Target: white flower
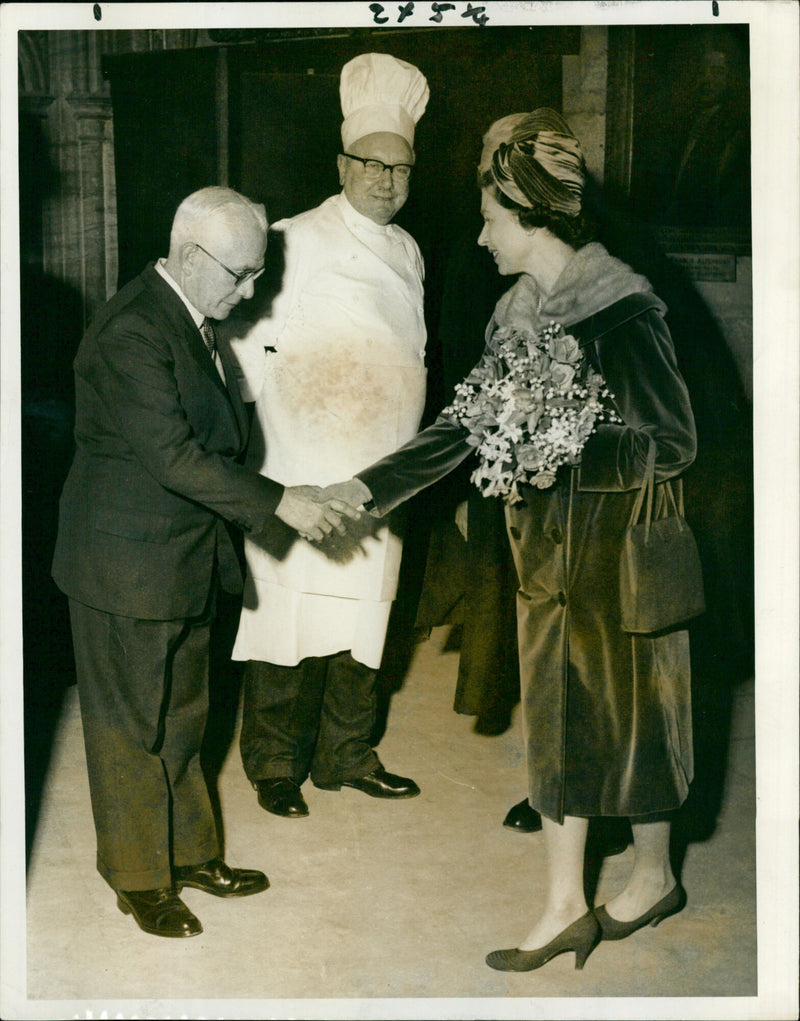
x,y
562,376
529,406
564,349
544,480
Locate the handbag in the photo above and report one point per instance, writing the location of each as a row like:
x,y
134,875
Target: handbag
x,y
660,575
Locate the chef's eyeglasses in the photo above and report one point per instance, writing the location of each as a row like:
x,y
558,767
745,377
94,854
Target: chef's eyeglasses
x,y
239,278
374,168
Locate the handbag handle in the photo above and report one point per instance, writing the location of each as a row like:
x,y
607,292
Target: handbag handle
x,y
648,484
648,488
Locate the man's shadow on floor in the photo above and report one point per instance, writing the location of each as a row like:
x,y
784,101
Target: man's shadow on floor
x,y
402,635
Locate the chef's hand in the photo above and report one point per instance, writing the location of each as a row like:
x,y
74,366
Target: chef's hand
x,y
461,519
311,513
354,492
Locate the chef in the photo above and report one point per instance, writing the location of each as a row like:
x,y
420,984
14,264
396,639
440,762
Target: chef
x,y
337,373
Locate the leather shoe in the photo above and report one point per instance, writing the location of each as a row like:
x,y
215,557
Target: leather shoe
x,y
281,796
522,818
378,784
218,878
160,912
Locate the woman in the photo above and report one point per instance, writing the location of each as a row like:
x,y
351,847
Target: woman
x,y
606,714
469,565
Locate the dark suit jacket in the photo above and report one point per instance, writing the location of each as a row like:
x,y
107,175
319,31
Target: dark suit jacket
x,y
154,481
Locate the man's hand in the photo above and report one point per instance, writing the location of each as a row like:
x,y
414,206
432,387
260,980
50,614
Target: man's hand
x,y
313,514
354,493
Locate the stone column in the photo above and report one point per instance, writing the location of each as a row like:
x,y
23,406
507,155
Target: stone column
x,y
65,101
585,95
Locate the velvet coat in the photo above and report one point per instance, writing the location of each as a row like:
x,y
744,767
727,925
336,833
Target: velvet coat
x,y
606,715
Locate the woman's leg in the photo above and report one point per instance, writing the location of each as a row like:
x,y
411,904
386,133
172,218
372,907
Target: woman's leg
x,y
566,902
652,877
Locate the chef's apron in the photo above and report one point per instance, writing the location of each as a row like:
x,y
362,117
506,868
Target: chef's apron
x,y
342,384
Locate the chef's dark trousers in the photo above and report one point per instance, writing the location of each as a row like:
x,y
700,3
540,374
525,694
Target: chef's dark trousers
x,y
143,687
314,719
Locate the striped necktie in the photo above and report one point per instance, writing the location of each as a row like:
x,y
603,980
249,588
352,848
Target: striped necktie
x,y
209,339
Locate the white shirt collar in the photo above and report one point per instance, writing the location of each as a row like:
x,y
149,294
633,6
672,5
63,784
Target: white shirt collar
x,y
197,317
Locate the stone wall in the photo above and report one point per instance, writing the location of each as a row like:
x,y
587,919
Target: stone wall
x,y
68,215
731,305
584,107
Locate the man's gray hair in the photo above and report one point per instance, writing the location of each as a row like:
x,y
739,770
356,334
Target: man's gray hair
x,y
214,206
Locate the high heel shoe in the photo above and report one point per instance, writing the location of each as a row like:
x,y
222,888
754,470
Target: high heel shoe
x,y
674,902
582,937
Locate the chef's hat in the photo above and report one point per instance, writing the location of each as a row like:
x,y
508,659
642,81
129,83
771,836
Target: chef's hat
x,y
381,93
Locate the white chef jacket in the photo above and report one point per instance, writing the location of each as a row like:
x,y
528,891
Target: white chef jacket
x,y
337,372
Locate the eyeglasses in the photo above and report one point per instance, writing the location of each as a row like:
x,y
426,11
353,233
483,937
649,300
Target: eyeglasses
x,y
239,278
374,168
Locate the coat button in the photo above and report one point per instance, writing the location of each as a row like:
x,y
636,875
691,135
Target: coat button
x,y
562,598
556,536
514,532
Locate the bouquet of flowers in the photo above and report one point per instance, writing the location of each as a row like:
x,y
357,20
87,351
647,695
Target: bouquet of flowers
x,y
529,405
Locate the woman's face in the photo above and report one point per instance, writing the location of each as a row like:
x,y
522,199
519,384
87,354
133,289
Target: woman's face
x,y
505,237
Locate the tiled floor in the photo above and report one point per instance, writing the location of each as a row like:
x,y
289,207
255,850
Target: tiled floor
x,y
391,904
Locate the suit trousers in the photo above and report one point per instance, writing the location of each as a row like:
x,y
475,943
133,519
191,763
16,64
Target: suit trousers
x,y
314,719
143,687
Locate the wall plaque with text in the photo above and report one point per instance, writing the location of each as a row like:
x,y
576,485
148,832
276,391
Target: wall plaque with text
x,y
707,266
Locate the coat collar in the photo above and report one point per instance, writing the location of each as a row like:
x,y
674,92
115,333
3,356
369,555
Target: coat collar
x,y
183,325
169,300
607,319
591,281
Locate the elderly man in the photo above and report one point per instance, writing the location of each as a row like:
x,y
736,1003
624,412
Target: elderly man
x,y
144,542
338,374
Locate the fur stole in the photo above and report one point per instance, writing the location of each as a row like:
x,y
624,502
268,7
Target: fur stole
x,y
591,281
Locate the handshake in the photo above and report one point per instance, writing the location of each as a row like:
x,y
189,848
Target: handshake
x,y
314,512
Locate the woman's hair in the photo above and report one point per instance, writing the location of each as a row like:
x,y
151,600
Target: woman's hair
x,y
574,231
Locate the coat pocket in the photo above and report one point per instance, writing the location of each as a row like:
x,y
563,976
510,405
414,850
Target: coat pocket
x,y
129,524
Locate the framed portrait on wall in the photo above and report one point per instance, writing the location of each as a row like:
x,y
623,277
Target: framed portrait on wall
x,y
679,132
